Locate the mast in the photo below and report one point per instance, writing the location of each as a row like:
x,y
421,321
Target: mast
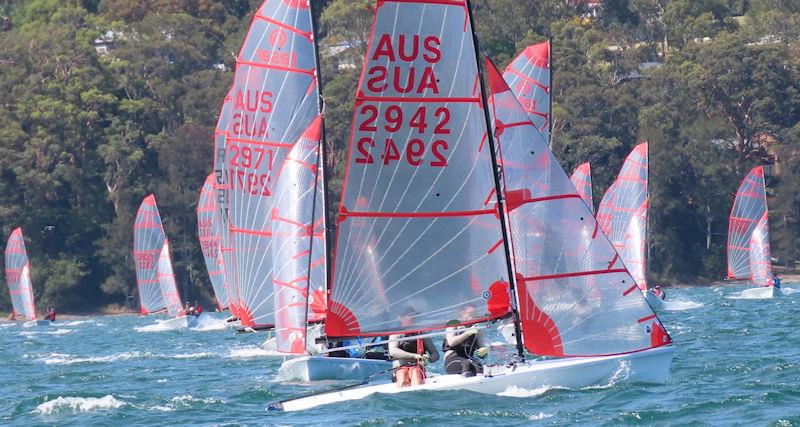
x,y
498,190
550,97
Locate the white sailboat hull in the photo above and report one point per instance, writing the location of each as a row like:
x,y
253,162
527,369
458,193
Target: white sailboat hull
x,y
181,322
763,292
318,368
32,323
650,365
655,302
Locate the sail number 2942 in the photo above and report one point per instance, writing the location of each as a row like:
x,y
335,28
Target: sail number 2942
x,y
426,143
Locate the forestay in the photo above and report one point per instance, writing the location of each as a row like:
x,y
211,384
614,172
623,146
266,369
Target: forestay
x,y
582,180
418,223
18,277
273,102
148,240
748,232
299,250
208,231
575,296
528,76
166,280
623,213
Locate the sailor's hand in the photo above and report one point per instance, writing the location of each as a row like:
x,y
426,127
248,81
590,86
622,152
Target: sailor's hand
x,y
424,359
471,331
482,352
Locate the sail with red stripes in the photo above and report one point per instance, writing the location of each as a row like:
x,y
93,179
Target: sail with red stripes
x,y
582,180
299,253
418,227
273,103
528,76
623,213
148,240
576,298
208,231
166,281
18,277
748,232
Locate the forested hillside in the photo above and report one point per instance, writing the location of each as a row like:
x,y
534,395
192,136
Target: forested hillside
x,y
106,101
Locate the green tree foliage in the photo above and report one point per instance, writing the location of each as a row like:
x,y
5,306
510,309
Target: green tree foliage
x,y
85,135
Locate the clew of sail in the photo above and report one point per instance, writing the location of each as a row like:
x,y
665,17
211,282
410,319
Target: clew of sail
x,y
18,277
622,213
272,103
166,281
582,180
299,253
208,231
148,240
748,232
528,76
575,296
418,232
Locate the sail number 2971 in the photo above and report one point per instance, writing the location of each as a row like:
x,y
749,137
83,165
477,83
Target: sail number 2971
x,y
418,146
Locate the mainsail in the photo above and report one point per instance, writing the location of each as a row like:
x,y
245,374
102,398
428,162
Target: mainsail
x,y
18,277
623,213
148,240
208,230
748,232
528,76
576,298
419,229
166,281
582,180
273,103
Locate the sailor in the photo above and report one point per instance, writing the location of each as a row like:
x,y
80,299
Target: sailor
x,y
186,308
776,280
410,356
659,293
51,316
12,315
463,347
197,308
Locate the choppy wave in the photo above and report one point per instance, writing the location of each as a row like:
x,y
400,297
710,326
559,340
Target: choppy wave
x,y
251,353
198,355
68,359
208,323
79,404
76,322
514,391
46,332
789,291
185,402
680,305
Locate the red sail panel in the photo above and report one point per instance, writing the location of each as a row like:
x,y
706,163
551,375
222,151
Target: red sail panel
x,y
274,100
582,180
416,234
528,76
18,277
748,232
622,214
148,239
208,231
166,282
300,260
574,293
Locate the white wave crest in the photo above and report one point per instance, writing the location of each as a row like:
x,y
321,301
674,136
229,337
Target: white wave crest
x,y
48,332
680,305
185,402
76,322
67,359
514,391
622,373
79,404
200,355
789,291
251,353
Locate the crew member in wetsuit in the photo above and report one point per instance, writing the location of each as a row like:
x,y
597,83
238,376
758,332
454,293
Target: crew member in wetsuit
x,y
198,309
51,316
410,356
659,293
463,346
776,280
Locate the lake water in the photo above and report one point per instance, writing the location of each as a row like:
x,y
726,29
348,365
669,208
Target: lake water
x,y
737,362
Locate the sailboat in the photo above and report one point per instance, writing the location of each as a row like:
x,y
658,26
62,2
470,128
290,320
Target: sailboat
x,y
154,276
748,237
208,225
582,180
425,222
622,216
18,278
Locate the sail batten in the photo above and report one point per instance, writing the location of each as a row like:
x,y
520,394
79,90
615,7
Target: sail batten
x,y
574,295
748,232
18,277
416,239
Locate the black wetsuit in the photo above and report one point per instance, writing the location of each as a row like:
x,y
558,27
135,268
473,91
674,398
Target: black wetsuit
x,y
460,360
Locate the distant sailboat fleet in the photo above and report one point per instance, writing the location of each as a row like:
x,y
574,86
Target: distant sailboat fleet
x,y
452,202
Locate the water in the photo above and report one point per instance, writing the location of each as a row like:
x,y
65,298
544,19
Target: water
x,y
737,362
